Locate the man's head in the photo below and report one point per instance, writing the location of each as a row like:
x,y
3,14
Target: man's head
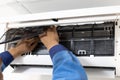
x,y
1,76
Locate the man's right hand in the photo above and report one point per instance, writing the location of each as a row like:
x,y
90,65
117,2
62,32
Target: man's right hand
x,y
51,38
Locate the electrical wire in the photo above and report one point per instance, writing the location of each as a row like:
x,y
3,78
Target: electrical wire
x,y
5,33
19,38
27,33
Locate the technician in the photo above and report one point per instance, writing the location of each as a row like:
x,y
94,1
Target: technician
x,y
65,64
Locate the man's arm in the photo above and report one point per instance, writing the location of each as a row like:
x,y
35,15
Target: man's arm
x,y
65,65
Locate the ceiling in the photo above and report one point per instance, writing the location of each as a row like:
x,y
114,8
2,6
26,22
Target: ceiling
x,y
18,7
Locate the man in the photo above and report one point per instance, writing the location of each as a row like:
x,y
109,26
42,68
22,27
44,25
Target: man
x,y
65,65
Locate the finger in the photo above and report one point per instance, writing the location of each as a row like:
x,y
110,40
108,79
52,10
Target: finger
x,y
19,42
36,40
33,41
29,39
22,41
33,46
43,34
53,28
49,29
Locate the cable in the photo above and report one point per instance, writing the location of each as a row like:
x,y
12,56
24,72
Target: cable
x,y
4,34
23,32
14,39
19,38
7,32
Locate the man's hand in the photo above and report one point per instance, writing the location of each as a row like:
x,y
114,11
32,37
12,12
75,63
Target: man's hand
x,y
51,38
23,46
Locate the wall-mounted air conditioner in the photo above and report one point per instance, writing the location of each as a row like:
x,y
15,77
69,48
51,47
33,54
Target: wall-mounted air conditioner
x,y
92,34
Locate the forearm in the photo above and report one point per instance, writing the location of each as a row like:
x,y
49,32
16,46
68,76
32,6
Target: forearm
x,y
65,64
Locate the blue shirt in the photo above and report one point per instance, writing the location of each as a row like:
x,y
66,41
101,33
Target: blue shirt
x,y
65,64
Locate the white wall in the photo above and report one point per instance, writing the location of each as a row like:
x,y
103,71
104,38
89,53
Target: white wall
x,y
2,30
17,7
11,10
36,6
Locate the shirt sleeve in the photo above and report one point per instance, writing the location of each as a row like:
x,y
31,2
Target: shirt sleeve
x,y
7,58
65,65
